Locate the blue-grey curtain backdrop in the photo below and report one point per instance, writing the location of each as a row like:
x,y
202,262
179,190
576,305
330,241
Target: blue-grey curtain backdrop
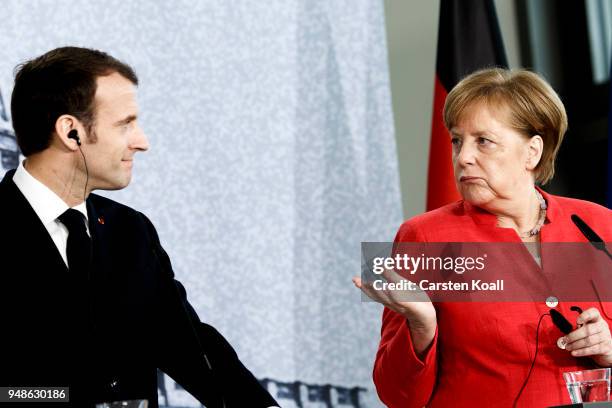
x,y
272,157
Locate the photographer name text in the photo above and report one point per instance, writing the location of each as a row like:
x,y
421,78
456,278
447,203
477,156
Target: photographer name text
x,y
426,285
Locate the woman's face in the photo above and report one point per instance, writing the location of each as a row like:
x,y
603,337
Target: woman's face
x,y
491,160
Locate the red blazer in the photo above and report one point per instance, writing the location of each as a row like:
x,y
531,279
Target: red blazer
x,y
481,352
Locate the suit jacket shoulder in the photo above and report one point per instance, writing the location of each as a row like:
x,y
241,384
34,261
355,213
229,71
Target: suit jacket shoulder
x,y
463,222
598,217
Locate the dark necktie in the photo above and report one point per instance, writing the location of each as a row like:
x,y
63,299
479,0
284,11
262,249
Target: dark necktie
x,y
78,248
78,252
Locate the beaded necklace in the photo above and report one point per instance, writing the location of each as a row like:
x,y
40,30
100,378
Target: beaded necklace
x,y
541,218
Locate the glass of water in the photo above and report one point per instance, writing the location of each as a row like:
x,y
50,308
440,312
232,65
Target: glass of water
x,y
588,385
143,403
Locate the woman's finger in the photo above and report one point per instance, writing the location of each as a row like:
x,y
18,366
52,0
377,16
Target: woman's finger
x,y
588,341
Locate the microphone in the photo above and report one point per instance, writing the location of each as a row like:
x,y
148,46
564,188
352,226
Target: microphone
x,y
158,255
590,235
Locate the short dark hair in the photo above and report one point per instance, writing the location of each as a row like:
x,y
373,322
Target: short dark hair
x,y
59,82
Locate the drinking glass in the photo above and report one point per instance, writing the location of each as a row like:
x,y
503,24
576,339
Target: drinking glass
x,y
141,403
588,385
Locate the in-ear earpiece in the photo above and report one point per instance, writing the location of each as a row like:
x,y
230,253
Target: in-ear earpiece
x,y
73,134
576,309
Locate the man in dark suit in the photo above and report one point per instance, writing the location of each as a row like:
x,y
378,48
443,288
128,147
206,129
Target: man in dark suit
x,y
87,294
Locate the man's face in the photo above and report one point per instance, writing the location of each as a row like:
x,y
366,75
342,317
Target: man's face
x,y
116,134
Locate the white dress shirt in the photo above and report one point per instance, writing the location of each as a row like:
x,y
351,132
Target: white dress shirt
x,y
48,206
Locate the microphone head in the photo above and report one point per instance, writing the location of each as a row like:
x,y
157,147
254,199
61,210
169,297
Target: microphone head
x,y
588,233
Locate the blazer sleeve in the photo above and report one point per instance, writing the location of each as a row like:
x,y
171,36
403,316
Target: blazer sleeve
x,y
193,353
401,378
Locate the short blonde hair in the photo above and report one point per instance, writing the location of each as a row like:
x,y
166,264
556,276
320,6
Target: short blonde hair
x,y
532,108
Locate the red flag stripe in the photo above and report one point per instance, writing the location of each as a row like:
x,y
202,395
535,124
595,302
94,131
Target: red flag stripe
x,y
441,188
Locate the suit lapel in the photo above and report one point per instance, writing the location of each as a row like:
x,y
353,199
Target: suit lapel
x,y
99,238
26,229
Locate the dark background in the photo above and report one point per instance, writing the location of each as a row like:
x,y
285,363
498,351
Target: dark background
x,y
582,161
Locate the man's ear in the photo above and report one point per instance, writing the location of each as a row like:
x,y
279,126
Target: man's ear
x,y
63,125
535,147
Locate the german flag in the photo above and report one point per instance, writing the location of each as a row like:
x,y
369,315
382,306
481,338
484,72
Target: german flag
x,y
468,39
